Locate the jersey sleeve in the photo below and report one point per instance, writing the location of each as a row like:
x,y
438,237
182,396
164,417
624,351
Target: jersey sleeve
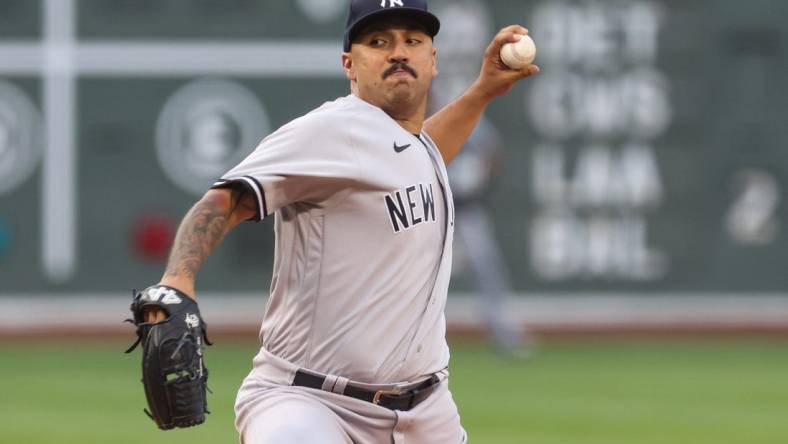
x,y
309,160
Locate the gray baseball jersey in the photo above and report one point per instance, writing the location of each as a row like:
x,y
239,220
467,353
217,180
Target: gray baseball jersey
x,y
364,226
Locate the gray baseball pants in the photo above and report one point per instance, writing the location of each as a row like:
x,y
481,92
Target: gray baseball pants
x,y
270,411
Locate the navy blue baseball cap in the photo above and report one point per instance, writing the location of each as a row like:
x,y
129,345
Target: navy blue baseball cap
x,y
364,11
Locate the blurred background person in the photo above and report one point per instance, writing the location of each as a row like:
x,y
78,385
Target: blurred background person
x,y
469,24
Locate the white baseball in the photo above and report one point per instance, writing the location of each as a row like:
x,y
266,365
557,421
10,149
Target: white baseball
x,y
520,54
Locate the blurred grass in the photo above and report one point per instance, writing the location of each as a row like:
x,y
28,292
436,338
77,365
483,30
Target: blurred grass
x,y
590,392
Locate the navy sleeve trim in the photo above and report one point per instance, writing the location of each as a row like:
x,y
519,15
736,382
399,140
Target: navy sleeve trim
x,y
251,184
260,196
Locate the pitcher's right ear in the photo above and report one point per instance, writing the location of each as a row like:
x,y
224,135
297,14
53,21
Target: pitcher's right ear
x,y
347,66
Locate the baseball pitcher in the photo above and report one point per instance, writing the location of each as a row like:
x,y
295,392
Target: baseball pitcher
x,y
353,345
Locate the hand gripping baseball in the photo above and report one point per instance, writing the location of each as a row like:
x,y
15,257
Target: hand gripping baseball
x,y
496,79
173,372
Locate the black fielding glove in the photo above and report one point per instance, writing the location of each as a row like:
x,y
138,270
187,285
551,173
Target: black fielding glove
x,y
173,372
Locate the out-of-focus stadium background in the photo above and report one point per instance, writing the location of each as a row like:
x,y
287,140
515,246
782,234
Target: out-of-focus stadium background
x,y
641,189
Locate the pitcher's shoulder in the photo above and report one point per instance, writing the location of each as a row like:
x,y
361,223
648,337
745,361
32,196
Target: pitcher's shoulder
x,y
339,118
349,107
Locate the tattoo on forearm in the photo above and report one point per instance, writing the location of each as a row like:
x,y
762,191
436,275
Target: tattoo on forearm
x,y
200,232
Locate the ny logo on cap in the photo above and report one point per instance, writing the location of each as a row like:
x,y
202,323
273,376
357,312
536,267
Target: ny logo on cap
x,y
392,3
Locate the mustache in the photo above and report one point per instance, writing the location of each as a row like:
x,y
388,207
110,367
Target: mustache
x,y
397,66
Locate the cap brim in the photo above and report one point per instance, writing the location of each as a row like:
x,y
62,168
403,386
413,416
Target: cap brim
x,y
430,22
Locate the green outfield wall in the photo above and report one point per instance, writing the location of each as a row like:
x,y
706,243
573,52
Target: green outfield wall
x,y
650,156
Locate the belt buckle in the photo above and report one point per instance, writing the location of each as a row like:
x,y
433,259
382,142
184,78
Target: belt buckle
x,y
379,393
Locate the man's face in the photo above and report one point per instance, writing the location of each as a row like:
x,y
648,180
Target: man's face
x,y
391,64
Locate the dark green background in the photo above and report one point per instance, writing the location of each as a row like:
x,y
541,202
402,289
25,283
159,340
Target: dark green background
x,y
726,62
20,19
201,19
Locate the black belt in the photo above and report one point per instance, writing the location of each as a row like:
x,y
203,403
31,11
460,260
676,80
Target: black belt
x,y
391,399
